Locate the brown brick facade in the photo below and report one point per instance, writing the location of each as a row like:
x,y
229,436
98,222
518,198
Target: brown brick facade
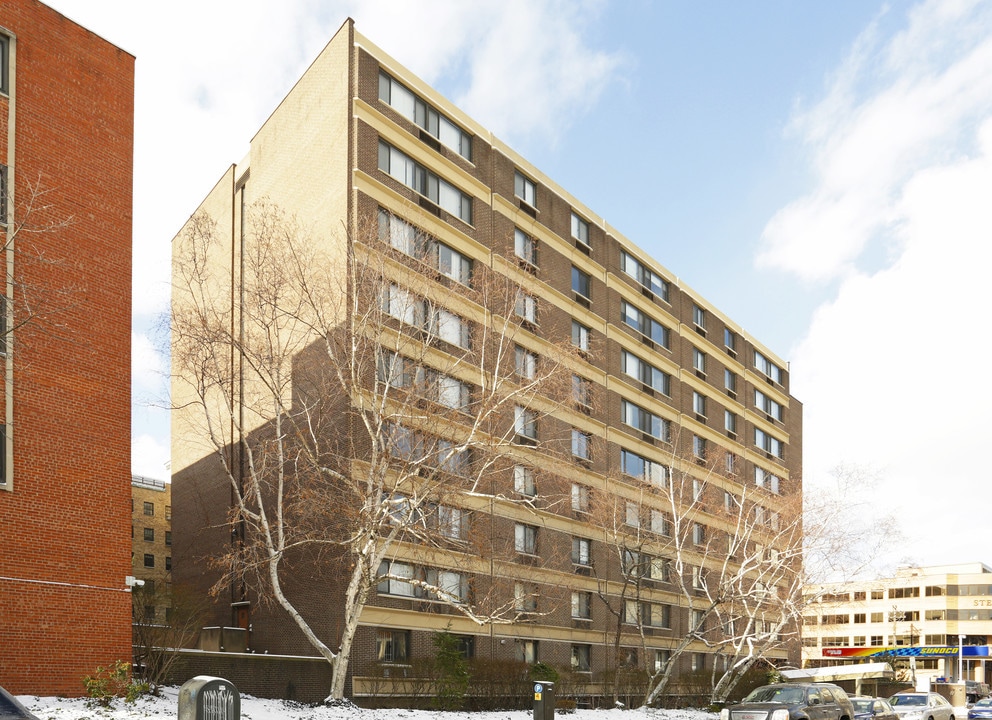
x,y
64,551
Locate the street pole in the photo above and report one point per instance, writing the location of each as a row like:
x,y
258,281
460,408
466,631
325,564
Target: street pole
x,y
960,658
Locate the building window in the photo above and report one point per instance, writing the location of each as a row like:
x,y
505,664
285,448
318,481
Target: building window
x,y
698,534
4,64
525,307
168,562
415,176
525,189
764,479
525,422
730,423
769,406
769,443
395,578
527,651
699,447
451,521
580,498
696,620
525,539
645,325
699,403
523,480
699,360
446,585
581,605
656,615
580,336
660,526
645,372
525,363
645,421
730,503
525,247
412,241
644,277
400,303
581,391
149,560
699,317
524,597
730,340
698,662
643,469
730,381
168,537
766,366
632,514
661,659
149,534
580,658
3,200
581,551
393,646
580,230
580,283
149,508
580,444
403,101
731,462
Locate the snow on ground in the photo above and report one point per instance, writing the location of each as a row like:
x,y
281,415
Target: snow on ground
x,y
167,706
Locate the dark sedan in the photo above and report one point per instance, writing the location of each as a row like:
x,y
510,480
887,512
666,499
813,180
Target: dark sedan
x,y
868,708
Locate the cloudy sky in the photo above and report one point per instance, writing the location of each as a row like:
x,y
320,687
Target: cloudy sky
x,y
822,172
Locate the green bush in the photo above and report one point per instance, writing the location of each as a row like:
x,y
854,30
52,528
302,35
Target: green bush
x,y
113,682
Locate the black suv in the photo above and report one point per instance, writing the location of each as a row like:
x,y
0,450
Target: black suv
x,y
792,701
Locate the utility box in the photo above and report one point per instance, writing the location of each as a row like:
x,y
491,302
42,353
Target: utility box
x,y
209,698
955,693
544,700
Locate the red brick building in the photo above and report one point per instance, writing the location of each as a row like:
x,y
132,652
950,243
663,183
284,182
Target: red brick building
x,y
66,131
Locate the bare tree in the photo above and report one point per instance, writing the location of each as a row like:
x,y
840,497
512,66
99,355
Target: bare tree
x,y
358,395
157,641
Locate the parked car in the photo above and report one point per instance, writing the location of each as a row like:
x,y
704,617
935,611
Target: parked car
x,y
792,701
869,708
981,710
921,706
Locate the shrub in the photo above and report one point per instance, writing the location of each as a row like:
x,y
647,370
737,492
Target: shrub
x,y
112,682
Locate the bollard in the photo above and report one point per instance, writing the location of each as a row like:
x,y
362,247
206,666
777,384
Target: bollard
x,y
544,700
209,698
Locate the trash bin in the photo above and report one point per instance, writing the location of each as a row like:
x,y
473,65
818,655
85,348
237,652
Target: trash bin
x,y
544,700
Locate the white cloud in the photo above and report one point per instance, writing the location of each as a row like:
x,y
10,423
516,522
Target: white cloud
x,y
892,109
150,457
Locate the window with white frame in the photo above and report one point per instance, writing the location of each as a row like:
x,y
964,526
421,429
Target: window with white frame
x,y
524,597
449,327
581,551
699,403
645,421
729,381
698,534
768,405
580,658
699,317
661,659
580,229
525,422
451,458
525,247
730,339
581,391
525,307
697,489
644,324
525,363
768,442
447,585
414,242
525,189
644,276
450,392
766,366
580,336
415,176
699,447
731,463
525,539
581,605
659,523
656,615
417,111
696,620
698,360
395,578
580,498
641,468
405,306
523,480
527,651
698,662
392,646
645,372
632,514
730,502
451,522
580,444
766,480
729,421
581,283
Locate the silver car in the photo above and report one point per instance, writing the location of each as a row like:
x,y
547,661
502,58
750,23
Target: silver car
x,y
921,706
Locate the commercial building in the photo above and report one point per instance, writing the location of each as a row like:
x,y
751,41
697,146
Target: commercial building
x,y
383,171
936,617
66,137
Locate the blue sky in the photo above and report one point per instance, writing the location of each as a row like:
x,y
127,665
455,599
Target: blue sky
x,y
821,172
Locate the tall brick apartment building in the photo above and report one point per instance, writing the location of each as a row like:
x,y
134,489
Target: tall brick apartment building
x,y
679,388
66,131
